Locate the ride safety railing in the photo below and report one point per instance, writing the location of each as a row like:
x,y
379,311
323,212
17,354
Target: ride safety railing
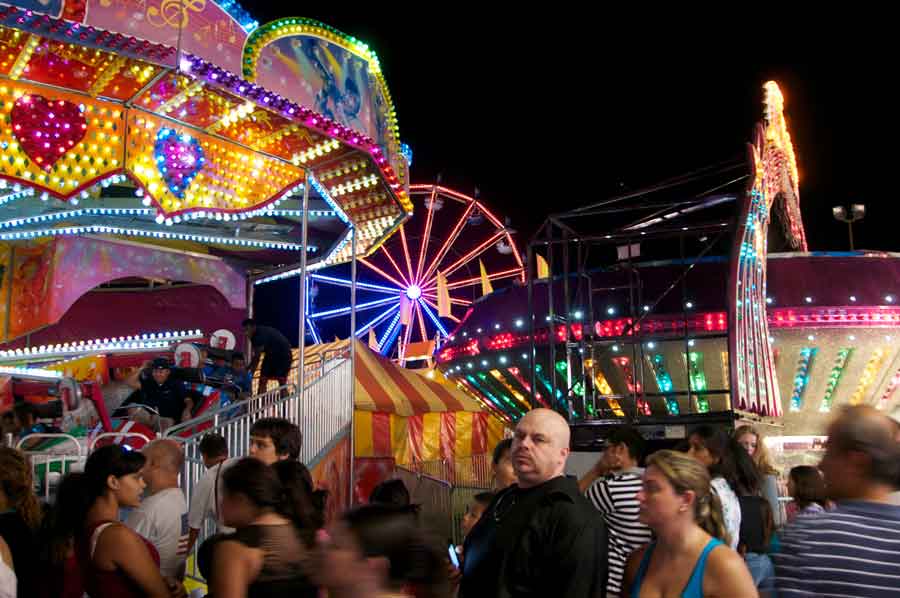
x,y
323,411
475,471
444,488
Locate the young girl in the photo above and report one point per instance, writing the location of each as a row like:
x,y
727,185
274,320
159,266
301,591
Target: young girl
x,y
807,487
753,442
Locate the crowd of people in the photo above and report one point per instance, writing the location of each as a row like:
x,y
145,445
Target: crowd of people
x,y
696,522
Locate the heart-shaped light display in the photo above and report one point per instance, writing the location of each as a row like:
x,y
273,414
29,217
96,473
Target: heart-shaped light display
x,y
179,158
46,129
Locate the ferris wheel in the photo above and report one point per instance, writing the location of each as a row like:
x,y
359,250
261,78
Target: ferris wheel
x,y
452,235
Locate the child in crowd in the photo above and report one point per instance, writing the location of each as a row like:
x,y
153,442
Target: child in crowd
x,y
241,376
474,511
807,487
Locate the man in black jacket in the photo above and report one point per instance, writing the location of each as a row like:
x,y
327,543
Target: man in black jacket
x,y
539,537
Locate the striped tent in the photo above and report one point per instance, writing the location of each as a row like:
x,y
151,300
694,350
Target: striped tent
x,y
406,415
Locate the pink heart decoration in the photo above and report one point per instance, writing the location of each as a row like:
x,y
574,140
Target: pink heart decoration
x,y
47,129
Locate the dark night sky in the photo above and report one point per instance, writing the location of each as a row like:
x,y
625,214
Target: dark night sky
x,y
546,112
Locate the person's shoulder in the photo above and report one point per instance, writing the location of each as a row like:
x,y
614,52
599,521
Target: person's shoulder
x,y
722,559
726,573
168,499
118,535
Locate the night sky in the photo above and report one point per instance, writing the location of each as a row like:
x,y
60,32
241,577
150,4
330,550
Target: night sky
x,y
552,112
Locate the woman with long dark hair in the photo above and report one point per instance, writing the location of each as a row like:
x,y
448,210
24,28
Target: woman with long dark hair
x,y
378,550
275,513
20,516
114,562
688,557
731,469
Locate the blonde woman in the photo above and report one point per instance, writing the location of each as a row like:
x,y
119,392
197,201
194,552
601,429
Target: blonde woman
x,y
689,558
750,438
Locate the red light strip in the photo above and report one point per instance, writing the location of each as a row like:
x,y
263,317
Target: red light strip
x,y
840,317
394,264
454,301
399,284
471,255
427,234
432,304
518,376
406,252
477,279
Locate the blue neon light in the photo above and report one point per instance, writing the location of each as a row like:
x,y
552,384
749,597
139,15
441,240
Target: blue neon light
x,y
323,193
239,14
332,313
407,153
434,318
394,330
377,320
366,286
315,333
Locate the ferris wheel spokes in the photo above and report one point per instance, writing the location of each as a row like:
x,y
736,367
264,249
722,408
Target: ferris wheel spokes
x,y
394,264
406,253
425,238
378,319
369,264
406,295
473,254
343,311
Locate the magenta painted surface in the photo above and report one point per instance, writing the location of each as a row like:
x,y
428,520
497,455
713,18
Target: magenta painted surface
x,y
102,314
208,31
81,264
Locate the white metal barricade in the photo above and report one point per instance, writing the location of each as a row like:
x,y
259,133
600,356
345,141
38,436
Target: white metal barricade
x,y
323,414
48,465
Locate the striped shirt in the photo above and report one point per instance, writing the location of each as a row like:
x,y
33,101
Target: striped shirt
x,y
850,552
616,499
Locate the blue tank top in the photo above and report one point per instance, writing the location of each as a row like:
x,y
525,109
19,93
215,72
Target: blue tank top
x,y
694,587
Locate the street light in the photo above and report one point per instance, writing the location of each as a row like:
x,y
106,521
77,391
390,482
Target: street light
x,y
857,212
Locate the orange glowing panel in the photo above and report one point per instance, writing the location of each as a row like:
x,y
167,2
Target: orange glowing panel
x,y
227,177
87,143
11,44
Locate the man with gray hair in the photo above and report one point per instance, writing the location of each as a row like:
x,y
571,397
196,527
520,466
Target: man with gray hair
x,y
162,517
851,550
540,537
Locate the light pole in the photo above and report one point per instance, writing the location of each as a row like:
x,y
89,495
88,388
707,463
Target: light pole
x,y
857,212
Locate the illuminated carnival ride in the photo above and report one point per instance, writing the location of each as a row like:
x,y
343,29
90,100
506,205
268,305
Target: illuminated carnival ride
x,y
693,300
149,178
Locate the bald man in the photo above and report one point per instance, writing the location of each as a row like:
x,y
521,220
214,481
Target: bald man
x,y
539,537
162,517
852,549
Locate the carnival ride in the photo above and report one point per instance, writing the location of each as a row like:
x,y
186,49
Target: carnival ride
x,y
673,307
198,149
453,236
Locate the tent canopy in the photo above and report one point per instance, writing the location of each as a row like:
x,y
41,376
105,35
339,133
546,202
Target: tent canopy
x,y
384,387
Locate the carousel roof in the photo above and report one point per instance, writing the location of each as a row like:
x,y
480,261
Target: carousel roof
x,y
110,134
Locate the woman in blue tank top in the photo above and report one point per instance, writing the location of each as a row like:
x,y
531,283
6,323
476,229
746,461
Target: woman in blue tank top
x,y
688,559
